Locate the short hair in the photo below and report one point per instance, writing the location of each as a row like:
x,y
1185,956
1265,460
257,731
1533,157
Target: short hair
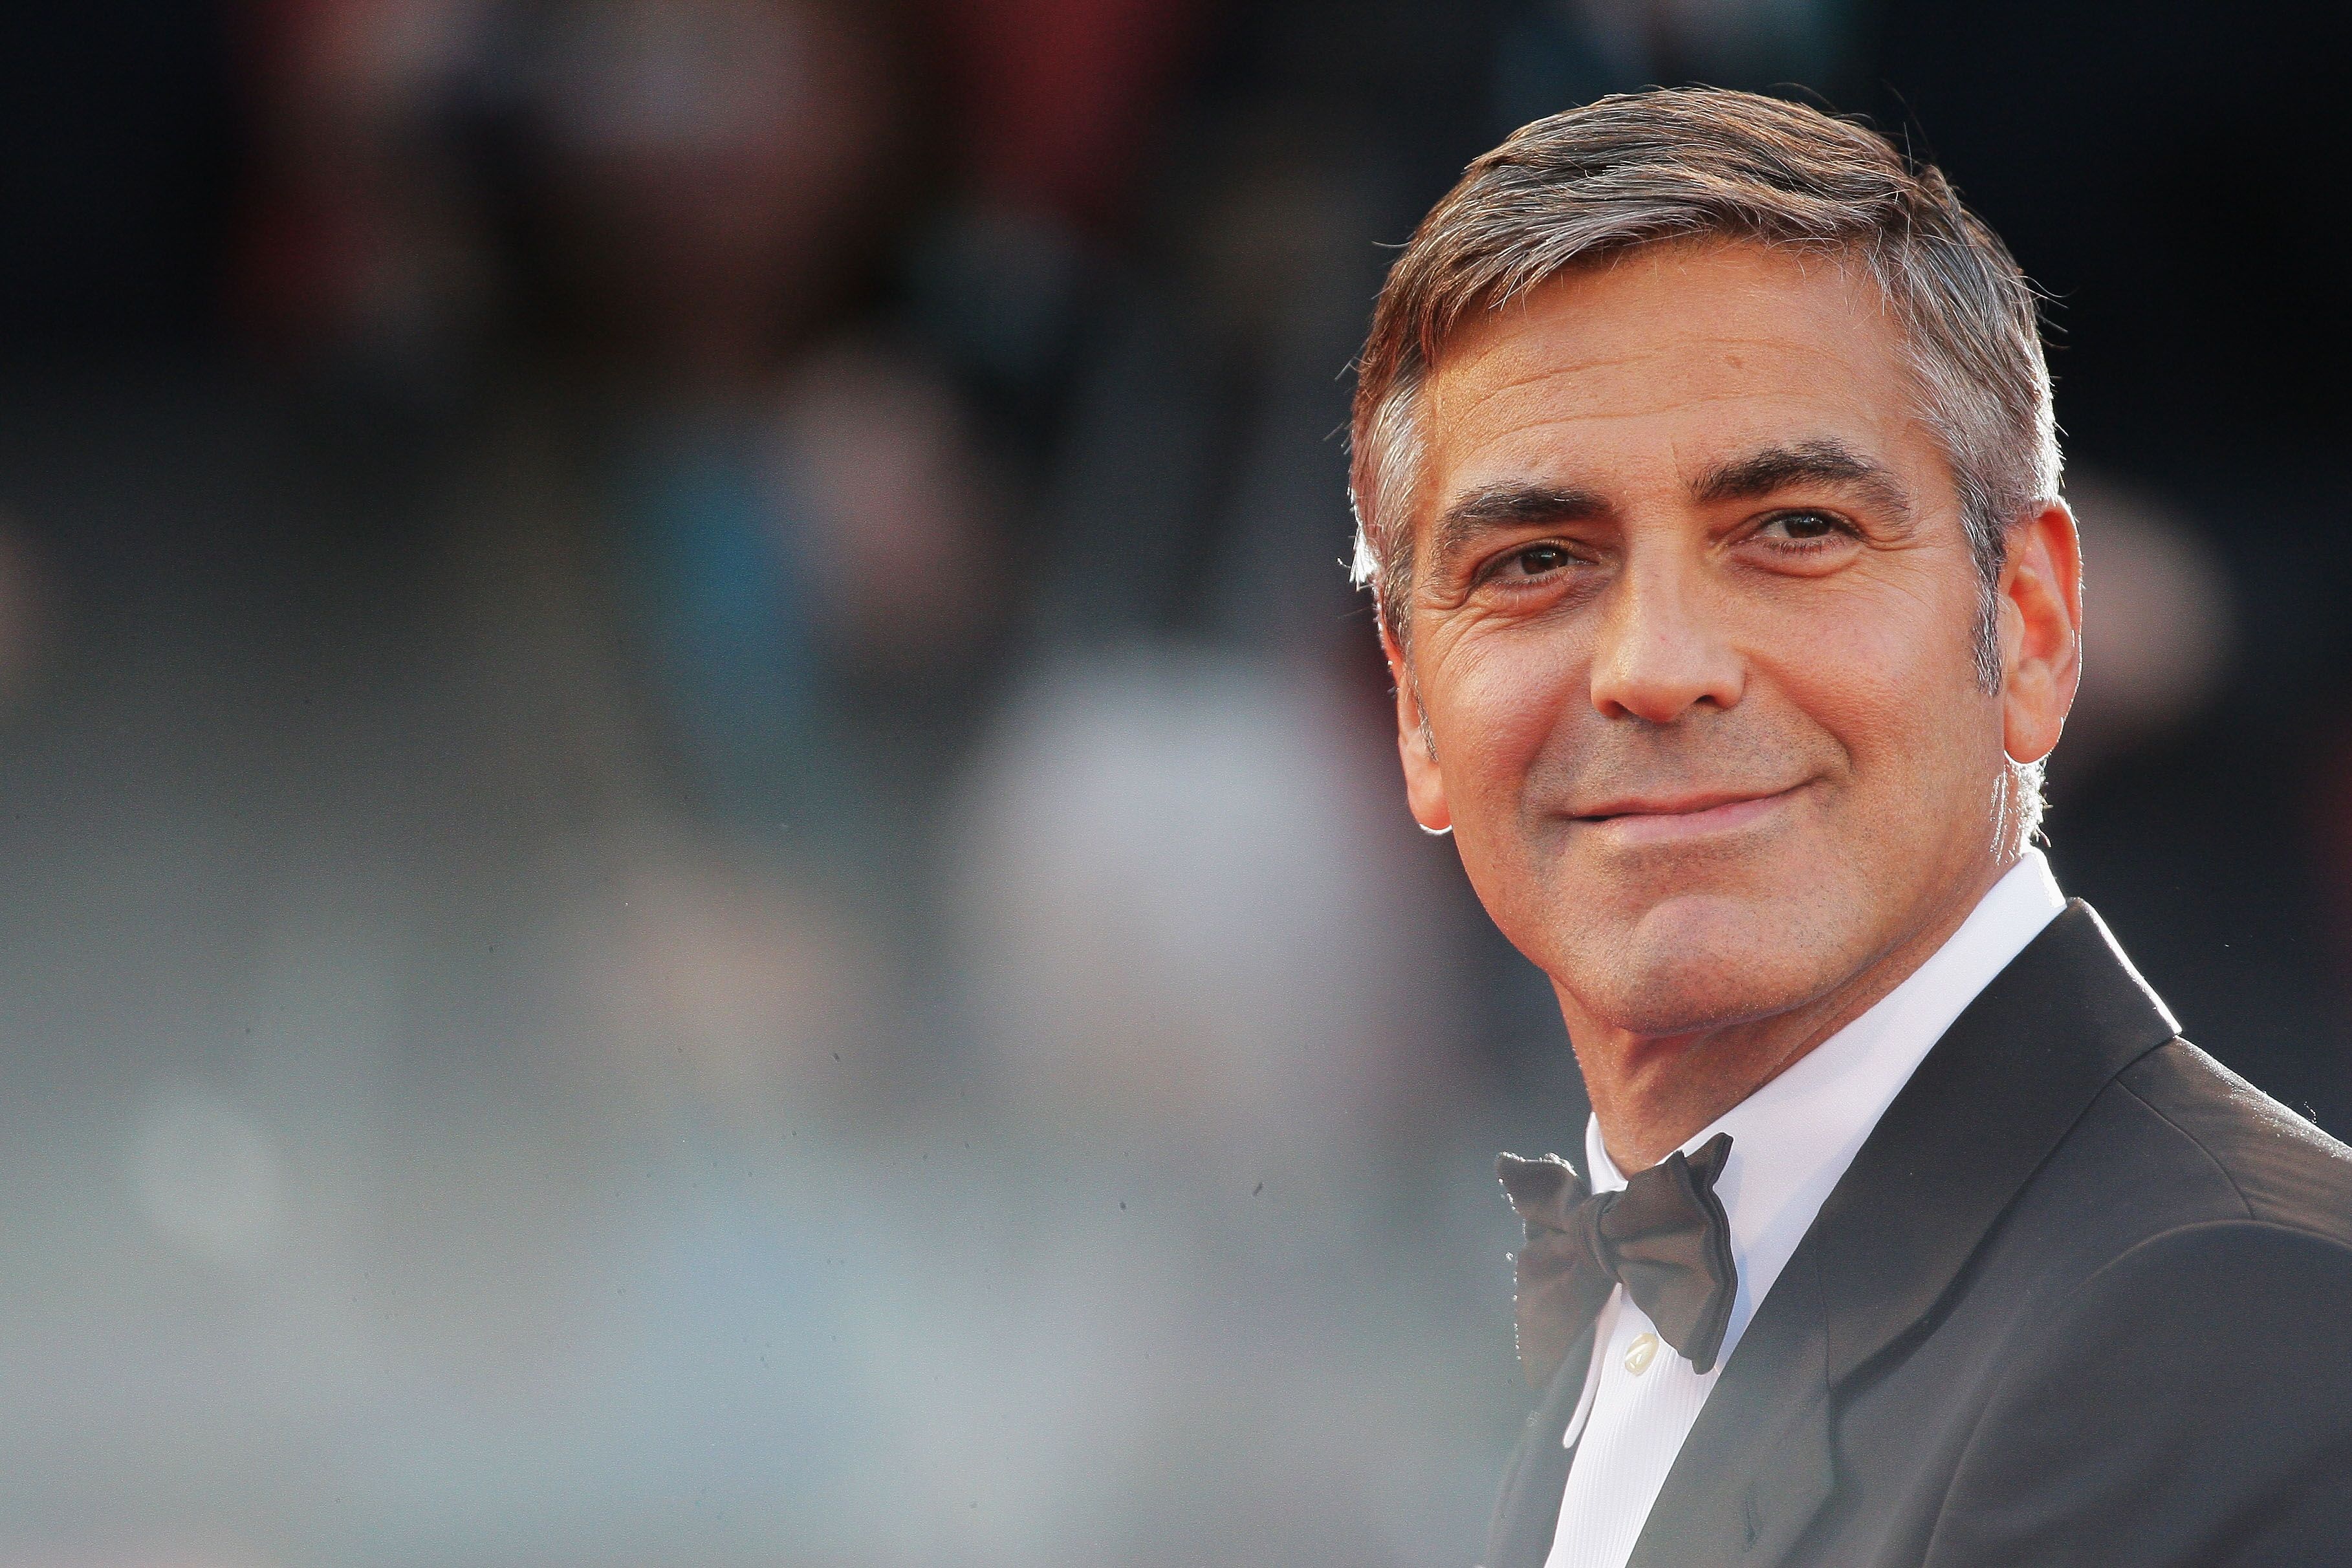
x,y
1578,189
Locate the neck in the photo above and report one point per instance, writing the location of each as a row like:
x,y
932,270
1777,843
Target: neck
x,y
1653,1093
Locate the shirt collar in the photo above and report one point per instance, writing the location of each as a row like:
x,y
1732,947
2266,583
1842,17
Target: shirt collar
x,y
1794,1137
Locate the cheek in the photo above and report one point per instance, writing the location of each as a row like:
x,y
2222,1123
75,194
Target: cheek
x,y
1500,701
1893,679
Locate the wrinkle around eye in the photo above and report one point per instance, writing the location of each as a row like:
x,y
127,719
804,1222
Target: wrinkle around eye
x,y
1803,560
1499,589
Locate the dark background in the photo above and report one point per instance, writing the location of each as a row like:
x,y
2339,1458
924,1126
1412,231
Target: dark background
x,y
701,862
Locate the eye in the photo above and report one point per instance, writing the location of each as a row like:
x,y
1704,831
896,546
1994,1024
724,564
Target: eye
x,y
1803,527
1536,561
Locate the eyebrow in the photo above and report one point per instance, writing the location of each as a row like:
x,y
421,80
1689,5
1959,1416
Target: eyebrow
x,y
1823,460
1509,505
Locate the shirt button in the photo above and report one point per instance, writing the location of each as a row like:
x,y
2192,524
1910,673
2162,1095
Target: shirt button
x,y
1640,1353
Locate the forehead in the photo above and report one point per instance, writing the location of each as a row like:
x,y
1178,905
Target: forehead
x,y
1663,362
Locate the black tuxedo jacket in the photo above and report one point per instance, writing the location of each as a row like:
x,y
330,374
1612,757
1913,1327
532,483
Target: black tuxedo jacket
x,y
2084,1297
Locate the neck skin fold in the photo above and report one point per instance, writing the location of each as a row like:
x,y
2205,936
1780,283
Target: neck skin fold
x,y
1652,1093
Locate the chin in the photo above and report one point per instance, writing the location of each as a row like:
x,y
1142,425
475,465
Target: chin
x,y
1698,963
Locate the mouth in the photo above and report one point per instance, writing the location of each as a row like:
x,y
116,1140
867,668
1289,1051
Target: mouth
x,y
1669,818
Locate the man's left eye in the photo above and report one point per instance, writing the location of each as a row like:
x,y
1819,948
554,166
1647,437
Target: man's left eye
x,y
1802,525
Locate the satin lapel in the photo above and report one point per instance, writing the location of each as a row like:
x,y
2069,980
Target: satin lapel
x,y
1757,1464
2005,1085
1527,1514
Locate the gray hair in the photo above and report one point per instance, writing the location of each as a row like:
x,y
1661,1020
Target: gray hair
x,y
1578,189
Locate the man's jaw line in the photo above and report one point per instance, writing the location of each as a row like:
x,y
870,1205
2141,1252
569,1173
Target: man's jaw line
x,y
1647,1081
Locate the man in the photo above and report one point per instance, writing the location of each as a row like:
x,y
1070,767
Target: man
x,y
1708,487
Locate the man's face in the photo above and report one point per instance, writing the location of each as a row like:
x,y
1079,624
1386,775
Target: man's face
x,y
1693,622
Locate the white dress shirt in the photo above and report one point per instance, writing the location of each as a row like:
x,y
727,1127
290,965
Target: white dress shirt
x,y
1790,1142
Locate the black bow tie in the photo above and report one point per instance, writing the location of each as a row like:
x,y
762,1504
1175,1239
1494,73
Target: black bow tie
x,y
1663,1238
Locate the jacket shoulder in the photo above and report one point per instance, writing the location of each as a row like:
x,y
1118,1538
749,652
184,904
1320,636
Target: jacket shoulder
x,y
2178,1411
2280,1167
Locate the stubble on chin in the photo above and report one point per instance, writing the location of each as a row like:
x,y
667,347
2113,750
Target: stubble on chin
x,y
1691,963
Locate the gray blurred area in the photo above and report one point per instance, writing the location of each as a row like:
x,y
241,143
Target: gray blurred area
x,y
702,862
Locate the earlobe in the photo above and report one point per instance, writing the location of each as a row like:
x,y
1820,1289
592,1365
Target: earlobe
x,y
1424,783
2041,597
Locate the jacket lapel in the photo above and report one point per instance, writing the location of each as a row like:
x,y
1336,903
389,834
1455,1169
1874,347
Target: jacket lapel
x,y
1987,1106
1758,1463
1999,1091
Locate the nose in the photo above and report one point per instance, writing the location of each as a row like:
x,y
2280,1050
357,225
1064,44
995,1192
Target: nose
x,y
1663,648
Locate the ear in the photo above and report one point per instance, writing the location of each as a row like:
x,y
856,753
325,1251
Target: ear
x,y
2041,607
1424,783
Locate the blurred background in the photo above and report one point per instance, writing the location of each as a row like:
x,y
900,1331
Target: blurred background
x,y
698,853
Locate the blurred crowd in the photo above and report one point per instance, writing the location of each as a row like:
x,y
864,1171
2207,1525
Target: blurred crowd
x,y
702,861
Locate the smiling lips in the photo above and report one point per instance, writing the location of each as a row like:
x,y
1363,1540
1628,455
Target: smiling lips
x,y
1670,818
